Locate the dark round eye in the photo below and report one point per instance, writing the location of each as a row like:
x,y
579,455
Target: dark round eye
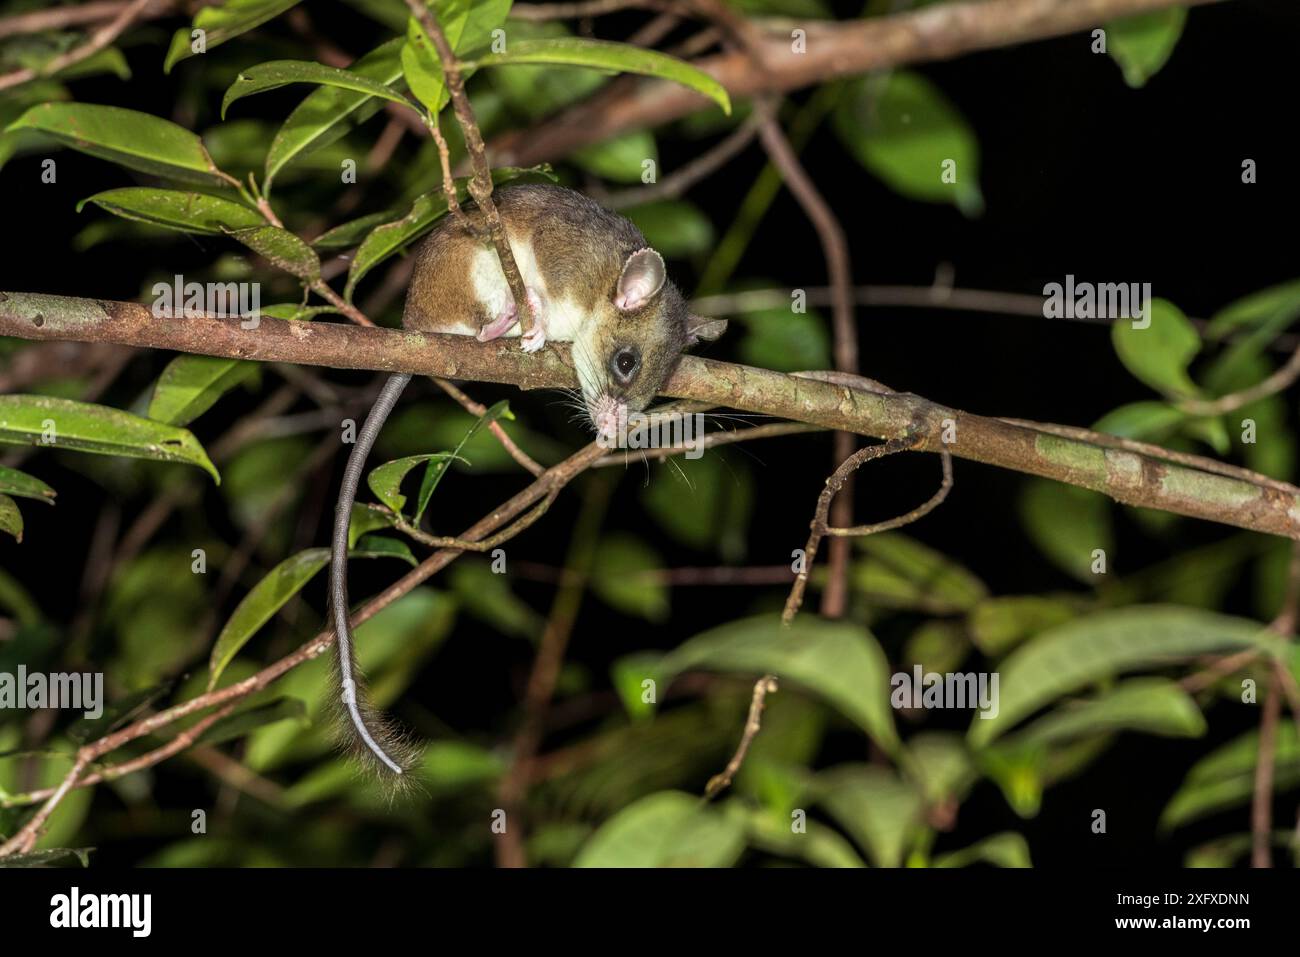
x,y
625,362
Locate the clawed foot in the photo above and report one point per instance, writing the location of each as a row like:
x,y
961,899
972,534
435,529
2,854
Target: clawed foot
x,y
535,337
499,326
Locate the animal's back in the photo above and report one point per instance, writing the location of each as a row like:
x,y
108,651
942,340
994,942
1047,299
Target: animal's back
x,y
566,245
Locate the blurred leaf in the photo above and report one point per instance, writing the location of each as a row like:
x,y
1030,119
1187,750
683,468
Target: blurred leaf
x,y
281,249
1146,705
704,503
785,341
629,674
1142,43
28,419
941,764
620,577
620,158
675,228
603,55
22,485
938,646
11,520
85,730
222,23
191,384
261,603
819,845
900,572
329,113
277,73
1068,524
1258,319
250,719
878,808
1150,421
839,661
1225,778
457,765
668,829
538,91
135,140
1007,849
186,212
1159,354
18,601
1102,645
999,624
902,128
488,597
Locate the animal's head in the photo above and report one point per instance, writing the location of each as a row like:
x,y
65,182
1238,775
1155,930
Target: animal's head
x,y
626,355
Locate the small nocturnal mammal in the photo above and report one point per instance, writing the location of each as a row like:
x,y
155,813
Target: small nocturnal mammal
x,y
592,281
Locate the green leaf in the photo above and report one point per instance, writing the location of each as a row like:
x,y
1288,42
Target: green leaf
x,y
1141,44
903,129
14,482
1159,354
135,140
366,518
176,209
1147,705
620,577
31,420
1103,645
1225,778
349,234
250,719
488,597
603,55
381,546
282,249
999,624
900,572
190,385
704,503
668,829
819,845
620,159
222,23
1007,849
1258,319
51,857
676,229
277,73
451,766
466,25
11,520
330,113
880,810
628,675
437,467
260,605
1068,524
941,764
840,662
386,479
1149,421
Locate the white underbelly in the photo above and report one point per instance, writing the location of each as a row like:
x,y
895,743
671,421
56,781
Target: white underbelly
x,y
564,316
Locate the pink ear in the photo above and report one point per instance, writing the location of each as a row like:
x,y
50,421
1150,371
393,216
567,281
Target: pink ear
x,y
643,275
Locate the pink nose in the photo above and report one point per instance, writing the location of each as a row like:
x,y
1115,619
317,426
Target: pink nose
x,y
607,424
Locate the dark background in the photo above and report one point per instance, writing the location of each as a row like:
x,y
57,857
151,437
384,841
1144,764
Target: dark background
x,y
1080,174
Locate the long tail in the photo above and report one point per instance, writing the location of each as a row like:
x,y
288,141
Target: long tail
x,y
373,739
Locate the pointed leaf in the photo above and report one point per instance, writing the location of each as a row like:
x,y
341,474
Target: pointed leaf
x,y
277,73
14,482
386,479
64,424
668,829
176,209
282,249
222,23
11,520
190,385
135,140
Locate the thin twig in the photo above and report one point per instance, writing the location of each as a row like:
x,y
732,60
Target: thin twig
x,y
476,408
753,724
704,165
100,39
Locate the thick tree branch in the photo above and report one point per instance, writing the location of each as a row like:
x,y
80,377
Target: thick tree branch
x,y
1127,476
833,49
